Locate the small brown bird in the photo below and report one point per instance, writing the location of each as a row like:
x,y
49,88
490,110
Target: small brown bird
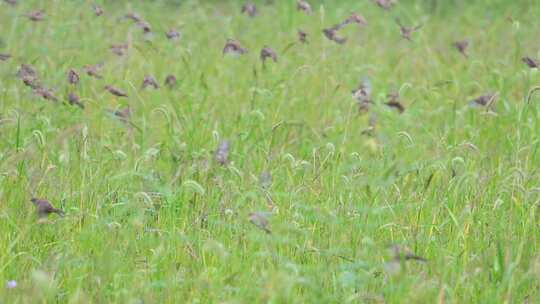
x,y
33,83
4,57
330,34
149,81
222,153
233,47
530,62
385,4
123,114
74,100
304,6
119,49
393,102
133,17
36,15
92,70
170,81
45,93
97,10
172,34
483,100
362,95
355,18
26,71
302,36
145,26
268,52
462,46
115,91
249,9
44,208
406,32
399,252
73,77
260,220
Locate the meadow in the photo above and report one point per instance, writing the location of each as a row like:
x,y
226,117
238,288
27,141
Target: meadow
x,y
358,167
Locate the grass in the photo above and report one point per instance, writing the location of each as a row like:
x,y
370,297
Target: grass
x,y
152,217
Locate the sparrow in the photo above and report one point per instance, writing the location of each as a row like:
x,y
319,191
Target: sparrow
x,y
115,91
45,93
133,17
170,81
123,114
302,36
26,71
302,5
222,153
483,100
260,220
36,15
530,62
462,47
92,70
400,253
73,77
393,102
354,18
4,57
74,100
44,208
362,95
267,52
406,32
330,34
119,49
233,47
385,4
97,10
172,34
149,81
249,9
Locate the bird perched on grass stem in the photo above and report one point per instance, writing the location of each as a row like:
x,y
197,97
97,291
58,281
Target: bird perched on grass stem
x,y
44,208
260,220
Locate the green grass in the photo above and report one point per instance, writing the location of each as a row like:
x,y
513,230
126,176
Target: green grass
x,y
152,217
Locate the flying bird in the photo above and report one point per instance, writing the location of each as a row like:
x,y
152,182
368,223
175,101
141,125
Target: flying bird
x,y
233,47
115,91
36,15
73,77
172,34
483,100
74,100
249,9
170,81
330,34
260,220
149,81
406,32
97,10
92,70
530,62
462,46
266,53
302,36
44,208
304,6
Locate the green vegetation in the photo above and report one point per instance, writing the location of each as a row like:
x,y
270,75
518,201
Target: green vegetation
x,y
151,216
